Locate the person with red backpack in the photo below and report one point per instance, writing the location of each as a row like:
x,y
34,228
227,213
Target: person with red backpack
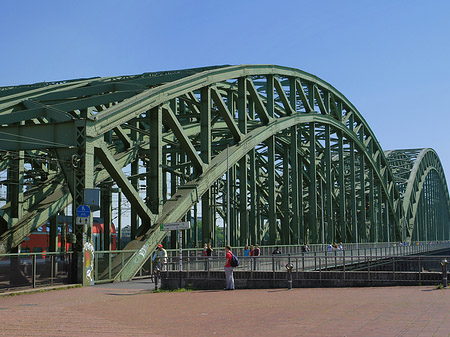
x,y
228,268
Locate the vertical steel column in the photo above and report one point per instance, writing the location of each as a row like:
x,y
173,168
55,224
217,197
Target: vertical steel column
x,y
53,239
301,204
243,163
330,230
379,234
285,191
205,155
342,208
154,177
362,232
233,208
135,183
371,203
253,197
119,219
353,193
173,189
293,155
272,193
106,214
15,184
83,178
313,185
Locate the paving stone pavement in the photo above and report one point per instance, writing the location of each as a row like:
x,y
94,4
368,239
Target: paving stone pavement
x,y
130,309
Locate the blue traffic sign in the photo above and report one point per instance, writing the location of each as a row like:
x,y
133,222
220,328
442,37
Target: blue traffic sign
x,y
83,211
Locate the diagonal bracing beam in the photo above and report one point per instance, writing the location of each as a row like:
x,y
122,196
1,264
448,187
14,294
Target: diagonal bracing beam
x,y
122,181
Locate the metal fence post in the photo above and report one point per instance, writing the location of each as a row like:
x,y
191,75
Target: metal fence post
x,y
320,269
52,258
95,268
33,272
393,268
420,271
109,266
315,261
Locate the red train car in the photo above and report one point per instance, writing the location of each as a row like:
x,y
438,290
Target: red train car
x,y
39,240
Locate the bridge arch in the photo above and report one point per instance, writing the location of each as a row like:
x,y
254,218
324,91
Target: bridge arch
x,y
426,205
304,165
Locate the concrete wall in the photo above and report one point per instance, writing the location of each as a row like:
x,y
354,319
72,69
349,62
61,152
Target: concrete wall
x,y
266,280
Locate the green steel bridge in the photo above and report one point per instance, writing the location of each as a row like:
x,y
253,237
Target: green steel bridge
x,y
270,154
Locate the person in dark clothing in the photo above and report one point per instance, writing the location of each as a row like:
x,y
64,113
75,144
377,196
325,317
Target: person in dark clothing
x,y
256,254
277,261
209,250
276,251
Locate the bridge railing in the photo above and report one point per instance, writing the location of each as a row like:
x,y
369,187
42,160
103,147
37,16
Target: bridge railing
x,y
193,259
32,270
318,248
304,261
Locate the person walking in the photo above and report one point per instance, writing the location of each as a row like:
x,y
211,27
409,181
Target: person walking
x,y
160,257
228,269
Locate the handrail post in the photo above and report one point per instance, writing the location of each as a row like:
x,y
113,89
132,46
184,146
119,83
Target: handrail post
x,y
315,260
52,259
320,269
393,268
95,268
33,272
109,265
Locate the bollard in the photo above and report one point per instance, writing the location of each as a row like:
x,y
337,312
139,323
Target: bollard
x,y
156,272
289,268
444,263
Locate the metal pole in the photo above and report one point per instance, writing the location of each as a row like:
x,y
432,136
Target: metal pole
x,y
323,222
33,274
228,197
356,229
180,250
119,220
387,222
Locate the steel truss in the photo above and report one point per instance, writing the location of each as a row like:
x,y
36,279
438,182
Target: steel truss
x,y
304,166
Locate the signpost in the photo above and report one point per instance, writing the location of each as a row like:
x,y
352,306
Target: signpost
x,y
179,226
84,218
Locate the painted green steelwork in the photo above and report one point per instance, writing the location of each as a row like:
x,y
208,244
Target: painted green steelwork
x,y
304,166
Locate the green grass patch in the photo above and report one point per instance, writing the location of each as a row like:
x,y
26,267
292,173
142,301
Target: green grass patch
x,y
440,286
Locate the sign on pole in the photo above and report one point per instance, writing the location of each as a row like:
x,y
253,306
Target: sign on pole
x,y
177,226
174,226
82,220
83,211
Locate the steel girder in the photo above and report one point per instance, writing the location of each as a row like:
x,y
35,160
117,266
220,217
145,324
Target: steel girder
x,y
305,165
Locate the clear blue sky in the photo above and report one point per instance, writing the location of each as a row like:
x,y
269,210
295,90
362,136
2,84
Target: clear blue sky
x,y
390,58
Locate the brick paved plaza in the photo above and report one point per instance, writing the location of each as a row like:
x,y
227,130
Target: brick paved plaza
x,y
131,310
